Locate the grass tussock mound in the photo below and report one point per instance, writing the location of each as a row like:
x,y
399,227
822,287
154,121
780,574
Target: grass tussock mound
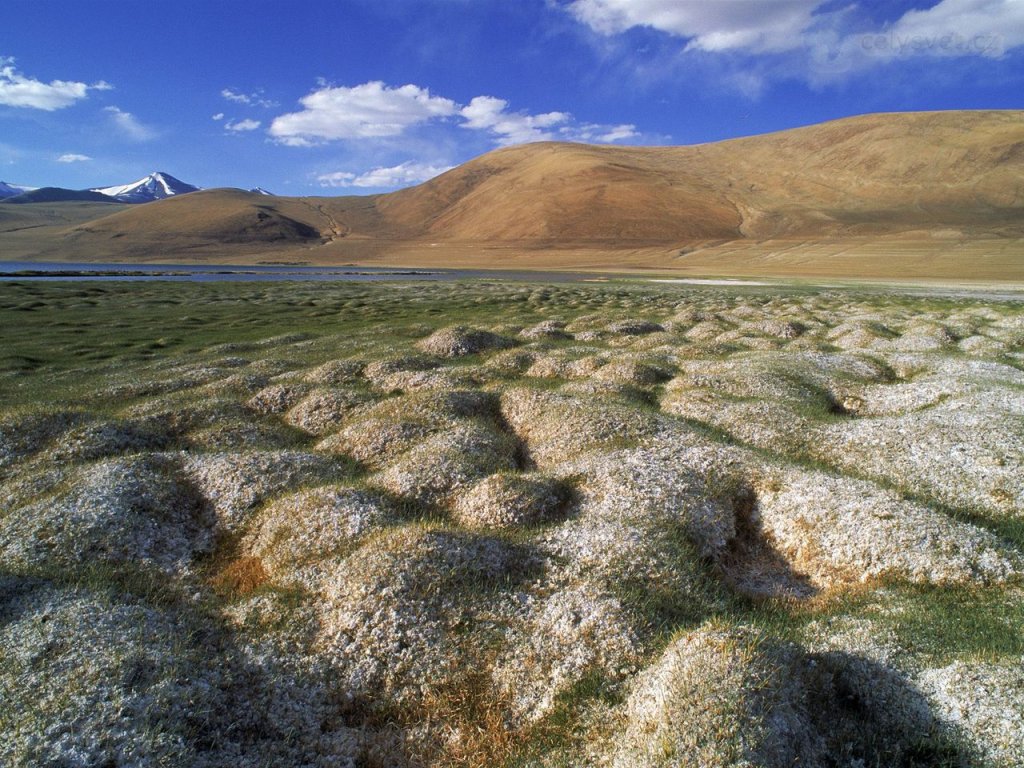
x,y
753,527
120,511
460,341
400,611
511,501
311,525
761,703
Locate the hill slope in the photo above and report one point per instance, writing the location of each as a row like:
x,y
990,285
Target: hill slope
x,y
870,174
926,175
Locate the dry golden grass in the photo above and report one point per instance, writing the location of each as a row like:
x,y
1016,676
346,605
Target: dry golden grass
x,y
240,577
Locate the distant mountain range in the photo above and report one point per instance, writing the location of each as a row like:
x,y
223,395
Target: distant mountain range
x,y
156,186
58,195
937,194
10,190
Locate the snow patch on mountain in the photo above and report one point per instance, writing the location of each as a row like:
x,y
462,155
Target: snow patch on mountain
x,y
10,190
156,186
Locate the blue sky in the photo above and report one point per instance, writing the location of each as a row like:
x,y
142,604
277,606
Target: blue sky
x,y
360,96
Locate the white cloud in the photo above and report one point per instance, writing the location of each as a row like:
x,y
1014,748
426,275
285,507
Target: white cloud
x,y
487,113
242,125
71,157
375,110
954,28
814,39
949,29
710,26
218,117
252,99
491,114
370,110
129,125
17,90
384,178
602,134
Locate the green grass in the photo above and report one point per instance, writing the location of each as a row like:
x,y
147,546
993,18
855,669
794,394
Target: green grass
x,y
946,623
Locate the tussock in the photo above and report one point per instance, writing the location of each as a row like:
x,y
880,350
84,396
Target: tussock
x,y
121,511
459,341
310,525
555,426
276,398
753,527
723,696
234,484
446,463
986,702
840,529
397,610
511,501
324,411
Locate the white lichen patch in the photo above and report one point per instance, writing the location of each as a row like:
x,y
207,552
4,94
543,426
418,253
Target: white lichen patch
x,y
130,510
234,484
986,702
840,529
405,612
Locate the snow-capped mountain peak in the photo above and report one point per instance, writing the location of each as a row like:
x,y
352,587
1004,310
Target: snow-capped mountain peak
x,y
156,186
261,191
10,190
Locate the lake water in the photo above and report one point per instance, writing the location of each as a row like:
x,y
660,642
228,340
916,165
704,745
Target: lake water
x,y
49,271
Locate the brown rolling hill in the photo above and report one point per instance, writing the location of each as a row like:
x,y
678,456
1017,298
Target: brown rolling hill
x,y
945,178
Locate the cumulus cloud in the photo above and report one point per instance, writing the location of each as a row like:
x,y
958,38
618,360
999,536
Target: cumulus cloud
x,y
375,110
17,90
72,157
218,117
240,126
384,178
255,99
129,125
719,26
370,110
491,114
